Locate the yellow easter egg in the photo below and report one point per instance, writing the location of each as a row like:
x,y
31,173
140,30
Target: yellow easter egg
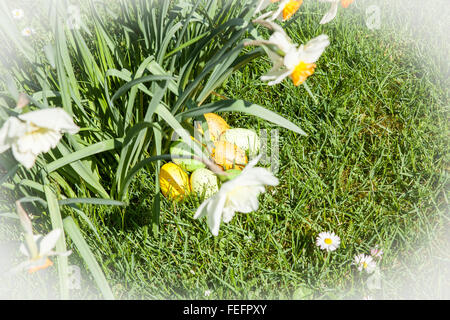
x,y
216,125
174,182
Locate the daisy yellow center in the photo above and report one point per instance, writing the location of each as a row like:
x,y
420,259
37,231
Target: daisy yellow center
x,y
291,8
328,241
301,72
346,3
364,265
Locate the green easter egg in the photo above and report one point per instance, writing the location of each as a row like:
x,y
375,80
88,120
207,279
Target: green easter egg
x,y
231,174
182,148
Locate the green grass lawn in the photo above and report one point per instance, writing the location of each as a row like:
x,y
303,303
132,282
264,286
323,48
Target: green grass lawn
x,y
373,169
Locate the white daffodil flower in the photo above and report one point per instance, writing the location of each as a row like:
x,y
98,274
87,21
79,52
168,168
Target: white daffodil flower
x,y
297,63
286,8
237,195
35,132
332,12
37,249
18,14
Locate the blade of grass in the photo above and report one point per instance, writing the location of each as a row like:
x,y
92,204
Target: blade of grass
x,y
55,217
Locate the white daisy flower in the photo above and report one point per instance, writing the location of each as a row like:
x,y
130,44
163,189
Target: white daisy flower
x,y
207,293
332,12
297,63
37,249
18,14
28,32
35,132
365,262
328,241
237,195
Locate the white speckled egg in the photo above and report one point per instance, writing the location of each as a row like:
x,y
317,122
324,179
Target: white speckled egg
x,y
204,182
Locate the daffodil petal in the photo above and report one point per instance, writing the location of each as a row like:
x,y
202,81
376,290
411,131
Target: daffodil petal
x,y
331,14
228,214
52,118
201,211
215,208
27,159
49,241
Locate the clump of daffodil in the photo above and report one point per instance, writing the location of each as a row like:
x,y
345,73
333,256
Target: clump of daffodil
x,y
35,132
332,12
39,249
239,194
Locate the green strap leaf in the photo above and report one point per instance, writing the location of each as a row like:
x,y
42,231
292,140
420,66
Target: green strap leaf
x,y
55,217
97,201
84,153
241,106
88,257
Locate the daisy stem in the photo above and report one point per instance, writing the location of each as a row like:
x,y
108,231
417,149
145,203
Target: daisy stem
x,y
325,259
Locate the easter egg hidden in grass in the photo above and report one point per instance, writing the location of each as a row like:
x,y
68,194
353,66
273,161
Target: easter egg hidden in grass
x,y
174,182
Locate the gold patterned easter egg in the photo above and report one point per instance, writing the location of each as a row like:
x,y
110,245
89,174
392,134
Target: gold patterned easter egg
x,y
228,155
216,125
